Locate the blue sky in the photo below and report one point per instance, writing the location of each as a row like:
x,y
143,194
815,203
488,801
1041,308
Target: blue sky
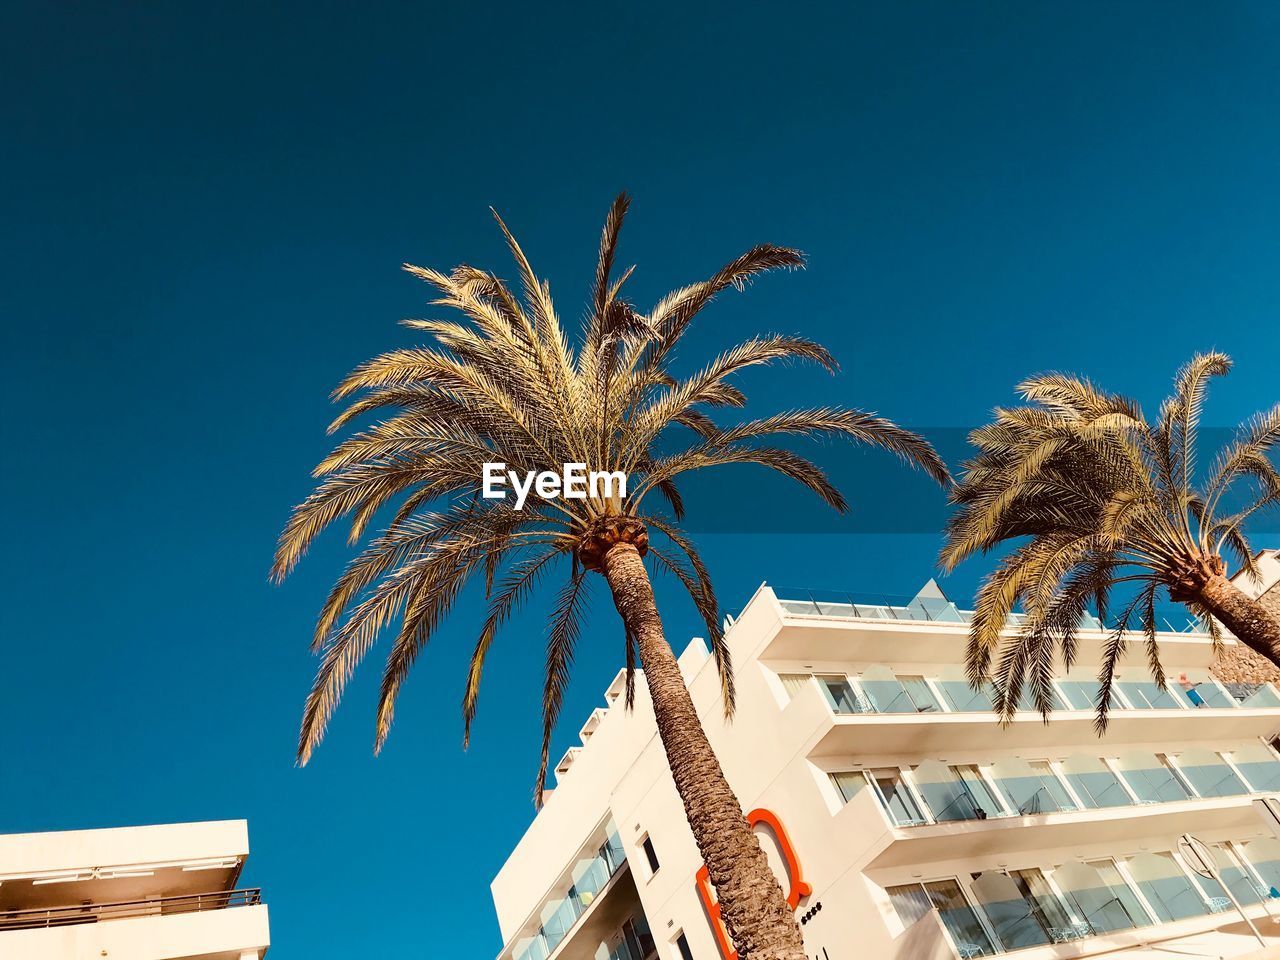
x,y
205,209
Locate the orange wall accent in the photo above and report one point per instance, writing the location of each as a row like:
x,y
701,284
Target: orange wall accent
x,y
798,891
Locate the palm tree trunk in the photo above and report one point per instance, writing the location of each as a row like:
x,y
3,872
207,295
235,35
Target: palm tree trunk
x,y
753,907
1251,623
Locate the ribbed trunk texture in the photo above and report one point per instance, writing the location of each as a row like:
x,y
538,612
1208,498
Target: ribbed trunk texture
x,y
754,909
1251,622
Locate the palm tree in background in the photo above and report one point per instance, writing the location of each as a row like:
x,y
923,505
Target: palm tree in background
x,y
506,385
1103,498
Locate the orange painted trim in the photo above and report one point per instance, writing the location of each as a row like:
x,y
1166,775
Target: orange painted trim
x,y
703,885
799,889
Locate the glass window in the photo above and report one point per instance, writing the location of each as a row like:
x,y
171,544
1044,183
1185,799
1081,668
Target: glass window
x,y
682,948
1101,901
1247,890
1082,693
1209,774
955,792
961,697
638,938
896,797
1202,692
535,949
1151,778
914,900
1031,788
841,696
1021,907
1027,700
892,694
848,783
920,694
1146,695
558,917
1259,766
1255,695
1264,856
1166,887
1094,783
650,854
793,683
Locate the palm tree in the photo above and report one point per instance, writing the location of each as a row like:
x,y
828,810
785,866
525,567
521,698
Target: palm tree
x,y
507,386
1102,497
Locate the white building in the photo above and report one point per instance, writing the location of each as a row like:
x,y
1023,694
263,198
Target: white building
x,y
918,827
135,893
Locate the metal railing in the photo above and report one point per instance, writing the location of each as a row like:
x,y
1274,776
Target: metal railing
x,y
127,909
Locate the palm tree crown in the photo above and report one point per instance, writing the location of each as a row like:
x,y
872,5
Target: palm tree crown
x,y
1100,496
504,383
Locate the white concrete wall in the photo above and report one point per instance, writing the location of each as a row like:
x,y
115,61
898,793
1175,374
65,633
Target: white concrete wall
x,y
766,754
236,933
22,853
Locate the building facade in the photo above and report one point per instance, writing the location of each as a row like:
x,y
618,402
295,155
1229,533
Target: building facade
x,y
169,892
902,820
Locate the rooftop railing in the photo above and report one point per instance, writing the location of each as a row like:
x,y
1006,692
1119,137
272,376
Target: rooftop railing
x,y
801,601
127,909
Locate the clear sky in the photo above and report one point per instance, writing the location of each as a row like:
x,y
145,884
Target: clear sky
x,y
204,210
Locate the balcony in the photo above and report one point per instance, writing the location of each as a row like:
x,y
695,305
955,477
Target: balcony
x,y
127,910
832,626
915,734
564,916
902,714
1010,835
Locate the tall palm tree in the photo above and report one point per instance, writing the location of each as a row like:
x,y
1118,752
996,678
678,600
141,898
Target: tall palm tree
x,y
507,385
1102,497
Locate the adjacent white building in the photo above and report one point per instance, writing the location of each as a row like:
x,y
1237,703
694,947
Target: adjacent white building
x,y
168,892
916,827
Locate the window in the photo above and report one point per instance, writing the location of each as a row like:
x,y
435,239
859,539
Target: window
x,y
1209,774
896,796
793,683
892,694
1082,693
1166,887
1033,787
682,948
1147,695
1253,695
1094,783
1202,692
1259,766
1151,777
961,697
1238,879
1021,907
1100,899
1027,700
913,900
957,792
848,783
1264,856
637,939
650,854
841,696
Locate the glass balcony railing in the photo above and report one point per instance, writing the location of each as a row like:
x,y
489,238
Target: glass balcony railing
x,y
880,691
935,792
998,911
801,601
558,916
